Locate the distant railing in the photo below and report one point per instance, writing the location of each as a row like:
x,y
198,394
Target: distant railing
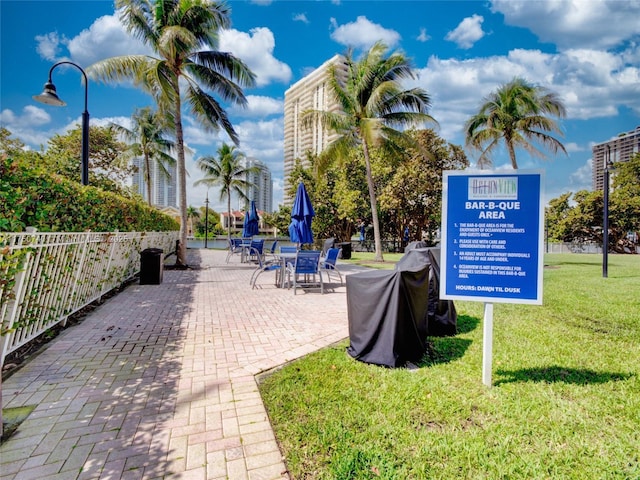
x,y
46,277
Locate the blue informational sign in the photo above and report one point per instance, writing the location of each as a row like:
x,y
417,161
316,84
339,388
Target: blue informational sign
x,y
492,236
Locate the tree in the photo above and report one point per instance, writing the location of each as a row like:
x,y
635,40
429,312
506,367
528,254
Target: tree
x,y
518,114
413,192
147,140
192,213
227,171
9,146
625,203
555,214
211,221
372,103
108,165
280,219
183,34
331,195
578,217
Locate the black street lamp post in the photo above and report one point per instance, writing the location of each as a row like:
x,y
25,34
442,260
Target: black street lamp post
x,y
50,97
206,219
605,217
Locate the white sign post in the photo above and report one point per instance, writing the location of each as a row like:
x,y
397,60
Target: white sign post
x,y
492,242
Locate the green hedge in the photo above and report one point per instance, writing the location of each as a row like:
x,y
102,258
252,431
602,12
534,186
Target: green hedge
x,y
32,197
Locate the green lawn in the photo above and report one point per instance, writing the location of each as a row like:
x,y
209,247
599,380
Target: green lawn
x,y
565,400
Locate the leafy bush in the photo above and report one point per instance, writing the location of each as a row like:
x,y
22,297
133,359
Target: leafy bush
x,y
31,196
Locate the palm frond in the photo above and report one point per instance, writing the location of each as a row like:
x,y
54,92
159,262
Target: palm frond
x,y
209,112
227,65
217,82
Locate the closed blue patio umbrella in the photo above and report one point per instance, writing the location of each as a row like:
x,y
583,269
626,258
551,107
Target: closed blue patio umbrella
x,y
251,221
302,214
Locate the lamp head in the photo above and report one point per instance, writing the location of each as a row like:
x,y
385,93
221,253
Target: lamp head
x,y
49,96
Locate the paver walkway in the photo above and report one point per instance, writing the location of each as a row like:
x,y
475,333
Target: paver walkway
x,y
159,381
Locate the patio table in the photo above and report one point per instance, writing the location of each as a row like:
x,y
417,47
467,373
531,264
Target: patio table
x,y
284,258
245,246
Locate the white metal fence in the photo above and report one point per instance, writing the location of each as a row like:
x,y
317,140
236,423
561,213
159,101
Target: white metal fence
x,y
46,277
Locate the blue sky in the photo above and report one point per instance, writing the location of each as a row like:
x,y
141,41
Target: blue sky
x,y
587,51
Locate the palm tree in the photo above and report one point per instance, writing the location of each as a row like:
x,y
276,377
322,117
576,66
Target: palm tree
x,y
372,103
183,35
229,172
192,212
147,140
518,114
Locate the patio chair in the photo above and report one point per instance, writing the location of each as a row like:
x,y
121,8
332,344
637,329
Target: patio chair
x,y
264,266
235,248
256,250
329,263
305,270
327,244
272,251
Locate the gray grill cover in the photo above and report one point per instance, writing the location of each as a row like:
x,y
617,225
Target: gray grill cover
x,y
391,312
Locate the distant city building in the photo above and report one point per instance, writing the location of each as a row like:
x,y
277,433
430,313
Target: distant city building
x,y
309,93
163,188
619,149
262,189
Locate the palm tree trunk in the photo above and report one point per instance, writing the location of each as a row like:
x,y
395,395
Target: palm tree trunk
x,y
181,256
512,152
147,177
229,216
374,205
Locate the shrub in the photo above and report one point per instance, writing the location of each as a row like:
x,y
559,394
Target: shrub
x,y
31,196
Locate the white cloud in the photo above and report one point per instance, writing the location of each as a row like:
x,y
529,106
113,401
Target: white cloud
x,y
581,178
423,37
573,147
26,126
258,139
259,106
263,140
195,134
107,121
457,87
32,116
300,17
106,37
48,45
468,32
256,50
363,33
574,23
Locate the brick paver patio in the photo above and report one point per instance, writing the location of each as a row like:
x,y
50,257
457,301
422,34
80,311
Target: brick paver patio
x,y
159,381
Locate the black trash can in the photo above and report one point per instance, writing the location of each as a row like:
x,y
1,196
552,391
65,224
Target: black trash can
x,y
151,266
346,249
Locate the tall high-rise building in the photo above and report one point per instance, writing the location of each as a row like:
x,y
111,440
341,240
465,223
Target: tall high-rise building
x,y
619,149
164,191
309,93
262,189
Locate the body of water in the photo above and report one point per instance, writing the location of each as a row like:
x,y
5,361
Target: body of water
x,y
221,242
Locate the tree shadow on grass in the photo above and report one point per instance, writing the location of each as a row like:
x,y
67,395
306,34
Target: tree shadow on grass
x,y
556,373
